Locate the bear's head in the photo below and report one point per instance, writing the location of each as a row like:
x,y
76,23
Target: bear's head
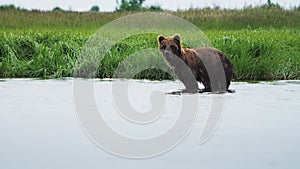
x,y
171,49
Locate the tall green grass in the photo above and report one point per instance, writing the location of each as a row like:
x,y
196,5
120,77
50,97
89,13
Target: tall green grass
x,y
261,54
47,55
205,19
263,44
247,18
256,55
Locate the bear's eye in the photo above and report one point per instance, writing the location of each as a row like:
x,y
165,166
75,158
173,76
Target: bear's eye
x,y
174,48
163,47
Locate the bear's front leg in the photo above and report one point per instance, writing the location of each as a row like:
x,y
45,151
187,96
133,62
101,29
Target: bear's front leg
x,y
188,79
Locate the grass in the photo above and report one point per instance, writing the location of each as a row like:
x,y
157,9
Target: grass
x,y
261,54
206,19
263,44
247,18
47,55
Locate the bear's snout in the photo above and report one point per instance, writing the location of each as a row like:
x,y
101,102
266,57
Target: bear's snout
x,y
168,54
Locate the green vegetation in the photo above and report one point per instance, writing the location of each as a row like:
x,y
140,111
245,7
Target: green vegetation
x,y
130,5
261,54
57,9
95,9
205,19
247,18
46,55
135,5
263,43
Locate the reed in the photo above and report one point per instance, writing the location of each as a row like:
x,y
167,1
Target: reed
x,y
263,44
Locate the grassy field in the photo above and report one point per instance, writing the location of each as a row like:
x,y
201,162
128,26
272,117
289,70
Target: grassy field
x,y
263,44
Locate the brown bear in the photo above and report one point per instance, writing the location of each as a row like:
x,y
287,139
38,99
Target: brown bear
x,y
206,65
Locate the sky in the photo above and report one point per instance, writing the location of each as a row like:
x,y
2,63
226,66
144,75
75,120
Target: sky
x,y
110,5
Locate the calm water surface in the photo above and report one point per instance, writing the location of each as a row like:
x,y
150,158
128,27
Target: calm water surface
x,y
39,127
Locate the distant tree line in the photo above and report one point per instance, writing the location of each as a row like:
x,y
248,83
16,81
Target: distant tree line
x,y
137,5
270,4
9,7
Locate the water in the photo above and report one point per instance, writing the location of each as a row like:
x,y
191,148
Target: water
x,y
39,127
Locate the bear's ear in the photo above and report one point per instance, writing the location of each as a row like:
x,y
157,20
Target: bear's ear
x,y
161,38
177,40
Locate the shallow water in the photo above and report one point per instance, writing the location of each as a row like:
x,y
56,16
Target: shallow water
x,y
259,128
